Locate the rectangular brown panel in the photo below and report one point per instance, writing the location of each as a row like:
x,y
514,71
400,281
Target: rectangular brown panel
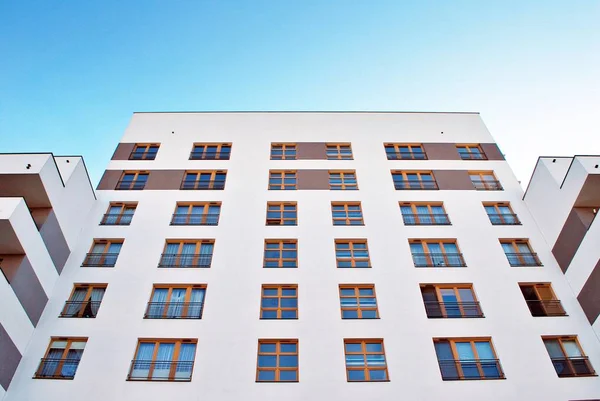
x,y
569,239
453,179
165,179
589,297
491,150
311,150
441,151
123,151
109,179
55,241
10,356
28,290
589,196
313,179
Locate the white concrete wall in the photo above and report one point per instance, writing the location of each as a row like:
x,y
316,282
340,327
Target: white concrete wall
x,y
227,335
586,258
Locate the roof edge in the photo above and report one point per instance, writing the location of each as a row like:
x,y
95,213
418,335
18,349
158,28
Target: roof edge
x,y
305,112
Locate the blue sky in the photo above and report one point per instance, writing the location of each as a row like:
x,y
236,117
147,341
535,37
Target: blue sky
x,y
72,72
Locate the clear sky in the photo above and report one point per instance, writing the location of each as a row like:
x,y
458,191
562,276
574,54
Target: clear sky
x,y
73,71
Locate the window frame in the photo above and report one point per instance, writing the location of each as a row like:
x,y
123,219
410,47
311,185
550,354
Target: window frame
x,y
132,184
59,366
408,184
196,256
568,359
124,206
345,175
107,243
89,287
285,146
283,186
471,340
146,152
282,219
556,310
353,260
365,367
279,309
469,150
485,185
191,205
203,152
277,369
174,359
443,305
336,151
280,260
185,308
517,253
212,182
400,155
430,215
346,210
499,215
359,310
442,242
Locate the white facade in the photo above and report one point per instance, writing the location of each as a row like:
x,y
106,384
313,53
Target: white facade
x,y
227,334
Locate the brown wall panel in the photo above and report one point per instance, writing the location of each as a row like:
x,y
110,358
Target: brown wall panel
x,y
123,151
10,356
313,179
55,241
311,150
589,297
569,239
491,150
28,290
109,179
453,179
441,151
165,179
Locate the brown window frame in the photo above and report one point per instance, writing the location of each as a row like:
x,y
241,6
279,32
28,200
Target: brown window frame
x,y
283,186
132,184
347,219
203,152
272,221
584,358
345,175
463,307
124,206
185,308
429,218
59,366
146,152
469,148
212,182
547,300
174,360
284,147
190,205
277,354
352,259
442,242
357,296
280,260
501,216
517,252
472,340
364,353
107,243
408,184
400,155
337,149
279,309
86,300
196,255
485,185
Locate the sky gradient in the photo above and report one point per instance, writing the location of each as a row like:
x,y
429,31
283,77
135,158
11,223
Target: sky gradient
x,y
72,72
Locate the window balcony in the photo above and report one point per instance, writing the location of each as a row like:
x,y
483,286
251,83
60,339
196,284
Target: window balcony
x,y
448,310
406,156
174,310
573,367
116,219
546,308
51,368
438,260
203,185
82,309
131,185
416,185
504,219
100,260
475,369
209,155
425,219
472,156
160,370
185,260
523,259
487,185
202,219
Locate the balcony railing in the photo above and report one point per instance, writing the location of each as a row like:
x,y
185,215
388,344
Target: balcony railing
x,y
523,259
131,185
51,368
84,309
436,309
100,259
572,367
472,156
209,155
200,185
116,219
160,370
487,185
193,219
438,260
185,260
425,219
174,310
425,185
546,308
406,156
475,369
504,219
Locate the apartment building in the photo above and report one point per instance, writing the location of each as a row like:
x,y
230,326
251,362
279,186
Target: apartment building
x,y
564,198
341,256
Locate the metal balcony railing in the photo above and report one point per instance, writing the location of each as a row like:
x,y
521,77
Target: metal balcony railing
x,y
185,260
100,259
425,219
438,260
83,309
116,219
201,155
546,307
444,310
52,368
193,219
406,156
523,259
475,369
572,367
143,156
131,185
416,185
472,156
201,185
502,219
174,310
160,370
487,185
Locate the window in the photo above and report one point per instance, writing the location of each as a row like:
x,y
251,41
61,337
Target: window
x,y
211,151
132,180
352,253
358,301
399,151
61,359
190,253
204,180
485,181
436,253
84,301
279,302
282,214
342,180
347,214
339,151
119,214
196,214
282,180
467,359
519,253
424,214
470,152
104,253
568,357
500,213
281,253
163,360
414,180
365,360
283,151
277,361
541,300
450,301
176,302
144,152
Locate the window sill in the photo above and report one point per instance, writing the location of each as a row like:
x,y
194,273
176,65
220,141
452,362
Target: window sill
x,y
160,381
52,378
369,381
275,381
